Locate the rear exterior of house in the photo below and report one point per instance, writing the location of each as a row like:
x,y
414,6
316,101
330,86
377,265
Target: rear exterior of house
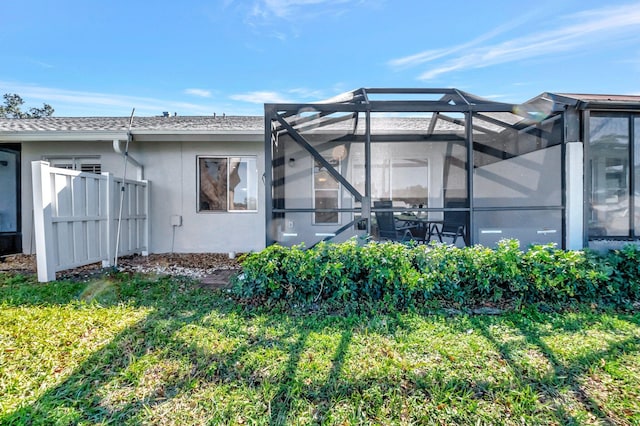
x,y
560,168
557,169
204,174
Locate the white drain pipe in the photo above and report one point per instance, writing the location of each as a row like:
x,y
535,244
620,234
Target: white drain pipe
x,y
117,147
126,158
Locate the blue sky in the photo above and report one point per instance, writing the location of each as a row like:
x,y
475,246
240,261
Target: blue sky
x,y
192,57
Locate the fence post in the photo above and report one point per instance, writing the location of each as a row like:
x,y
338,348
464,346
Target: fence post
x,y
43,226
109,227
147,220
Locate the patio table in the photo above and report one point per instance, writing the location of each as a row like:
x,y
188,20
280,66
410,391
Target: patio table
x,y
423,222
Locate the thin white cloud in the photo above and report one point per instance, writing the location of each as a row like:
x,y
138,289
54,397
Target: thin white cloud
x,y
497,96
41,63
198,92
297,94
260,97
422,57
588,29
430,55
285,9
305,93
286,19
81,103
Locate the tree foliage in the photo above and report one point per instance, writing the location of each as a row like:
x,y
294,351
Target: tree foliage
x,y
12,108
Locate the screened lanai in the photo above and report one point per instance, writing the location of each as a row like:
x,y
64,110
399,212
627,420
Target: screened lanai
x,y
439,156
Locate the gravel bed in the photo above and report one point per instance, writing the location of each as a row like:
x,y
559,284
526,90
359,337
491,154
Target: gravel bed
x,y
193,265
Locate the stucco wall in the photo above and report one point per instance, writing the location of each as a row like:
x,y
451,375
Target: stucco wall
x,y
171,168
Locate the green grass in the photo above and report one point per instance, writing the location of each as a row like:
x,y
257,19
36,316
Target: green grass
x,y
131,350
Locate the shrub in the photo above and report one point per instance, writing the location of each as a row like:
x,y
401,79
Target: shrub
x,y
625,274
557,275
396,276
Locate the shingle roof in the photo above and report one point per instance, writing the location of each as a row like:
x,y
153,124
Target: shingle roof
x,y
597,97
596,101
249,124
117,124
254,125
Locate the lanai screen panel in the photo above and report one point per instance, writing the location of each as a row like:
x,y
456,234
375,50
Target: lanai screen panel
x,y
426,151
419,163
518,175
313,198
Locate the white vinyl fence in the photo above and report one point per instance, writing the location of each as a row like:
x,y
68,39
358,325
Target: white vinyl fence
x,y
76,218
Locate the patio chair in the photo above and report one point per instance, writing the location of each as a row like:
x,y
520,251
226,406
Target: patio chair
x,y
453,226
389,228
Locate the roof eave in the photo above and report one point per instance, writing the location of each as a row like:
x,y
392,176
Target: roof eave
x,y
54,136
605,105
140,135
584,104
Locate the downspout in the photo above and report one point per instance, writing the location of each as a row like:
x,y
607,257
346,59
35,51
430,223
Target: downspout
x,y
117,147
126,157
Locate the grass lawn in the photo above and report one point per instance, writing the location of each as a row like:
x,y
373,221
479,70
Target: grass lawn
x,y
120,350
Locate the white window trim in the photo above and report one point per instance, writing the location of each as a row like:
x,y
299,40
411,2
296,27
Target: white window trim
x,y
393,165
249,179
388,180
75,161
313,192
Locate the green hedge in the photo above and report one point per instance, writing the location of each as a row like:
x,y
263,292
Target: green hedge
x,y
398,276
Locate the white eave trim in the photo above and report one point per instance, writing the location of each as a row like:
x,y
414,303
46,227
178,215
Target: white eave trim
x,y
198,136
139,135
66,136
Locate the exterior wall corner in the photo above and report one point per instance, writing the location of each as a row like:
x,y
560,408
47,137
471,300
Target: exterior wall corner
x,y
574,213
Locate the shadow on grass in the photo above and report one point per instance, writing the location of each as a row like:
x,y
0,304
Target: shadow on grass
x,y
562,376
281,404
175,306
77,399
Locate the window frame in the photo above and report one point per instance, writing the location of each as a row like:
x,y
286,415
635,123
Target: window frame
x,y
395,164
633,146
250,176
337,190
388,180
75,162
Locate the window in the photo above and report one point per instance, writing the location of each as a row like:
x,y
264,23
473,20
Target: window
x,y
326,193
399,172
90,164
227,184
611,174
409,180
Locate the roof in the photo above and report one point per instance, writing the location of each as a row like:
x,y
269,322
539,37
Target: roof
x,y
121,124
153,129
596,101
595,97
382,101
